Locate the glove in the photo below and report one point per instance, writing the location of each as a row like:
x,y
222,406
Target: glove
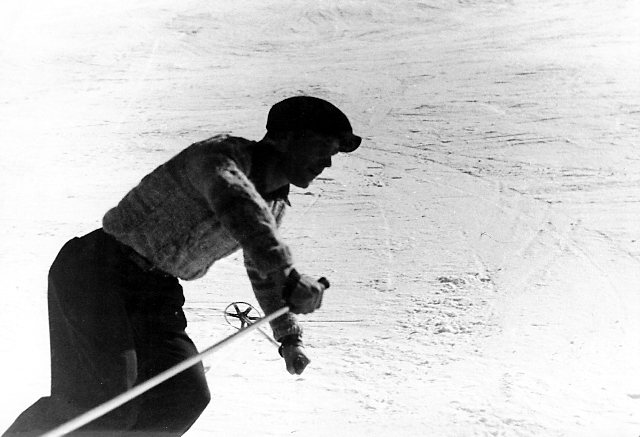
x,y
302,293
292,350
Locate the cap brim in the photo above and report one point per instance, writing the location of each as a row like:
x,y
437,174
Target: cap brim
x,y
349,143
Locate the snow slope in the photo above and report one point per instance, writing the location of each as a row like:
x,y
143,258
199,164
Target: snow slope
x,y
482,244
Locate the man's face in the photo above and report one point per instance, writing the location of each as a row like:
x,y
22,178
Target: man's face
x,y
308,154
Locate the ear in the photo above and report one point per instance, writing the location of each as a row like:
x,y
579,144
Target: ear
x,y
282,142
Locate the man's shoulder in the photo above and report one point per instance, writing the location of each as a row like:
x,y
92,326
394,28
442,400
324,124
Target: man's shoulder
x,y
222,142
222,147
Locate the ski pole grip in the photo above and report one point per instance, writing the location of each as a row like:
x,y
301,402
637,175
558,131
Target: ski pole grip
x,y
292,281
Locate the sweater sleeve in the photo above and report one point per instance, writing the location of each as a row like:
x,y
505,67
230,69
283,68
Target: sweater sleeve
x,y
268,292
241,210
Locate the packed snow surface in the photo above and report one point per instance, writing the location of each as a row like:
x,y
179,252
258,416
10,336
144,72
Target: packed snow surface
x,y
483,244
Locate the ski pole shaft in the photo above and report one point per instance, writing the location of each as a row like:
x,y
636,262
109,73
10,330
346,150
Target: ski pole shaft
x,y
246,320
268,337
137,390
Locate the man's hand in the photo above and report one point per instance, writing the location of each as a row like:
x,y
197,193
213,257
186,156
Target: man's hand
x,y
292,350
302,293
295,359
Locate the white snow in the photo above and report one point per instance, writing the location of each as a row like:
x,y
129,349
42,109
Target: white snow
x,y
482,244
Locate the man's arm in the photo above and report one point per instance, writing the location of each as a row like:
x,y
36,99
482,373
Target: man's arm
x,y
286,329
248,219
241,210
268,292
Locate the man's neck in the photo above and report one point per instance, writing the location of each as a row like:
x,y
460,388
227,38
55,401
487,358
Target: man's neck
x,y
266,175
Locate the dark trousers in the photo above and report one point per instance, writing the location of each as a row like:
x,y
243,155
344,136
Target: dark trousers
x,y
112,325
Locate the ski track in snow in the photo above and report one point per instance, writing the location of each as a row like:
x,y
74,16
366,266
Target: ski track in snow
x,y
482,244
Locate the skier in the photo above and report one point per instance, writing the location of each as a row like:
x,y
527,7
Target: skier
x,y
115,301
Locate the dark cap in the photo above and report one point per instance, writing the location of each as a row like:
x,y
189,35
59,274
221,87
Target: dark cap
x,y
317,115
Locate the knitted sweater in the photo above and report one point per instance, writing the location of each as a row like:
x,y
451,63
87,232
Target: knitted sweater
x,y
201,206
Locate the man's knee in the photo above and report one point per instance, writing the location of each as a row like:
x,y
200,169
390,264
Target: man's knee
x,y
204,398
195,398
177,404
121,419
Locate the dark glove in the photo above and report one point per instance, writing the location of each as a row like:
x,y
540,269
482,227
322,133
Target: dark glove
x,y
302,293
292,350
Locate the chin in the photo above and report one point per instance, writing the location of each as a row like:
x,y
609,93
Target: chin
x,y
303,180
303,184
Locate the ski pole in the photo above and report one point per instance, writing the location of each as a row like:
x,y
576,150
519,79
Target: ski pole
x,y
137,390
246,320
243,317
268,337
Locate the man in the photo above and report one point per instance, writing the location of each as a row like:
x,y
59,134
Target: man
x,y
115,302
